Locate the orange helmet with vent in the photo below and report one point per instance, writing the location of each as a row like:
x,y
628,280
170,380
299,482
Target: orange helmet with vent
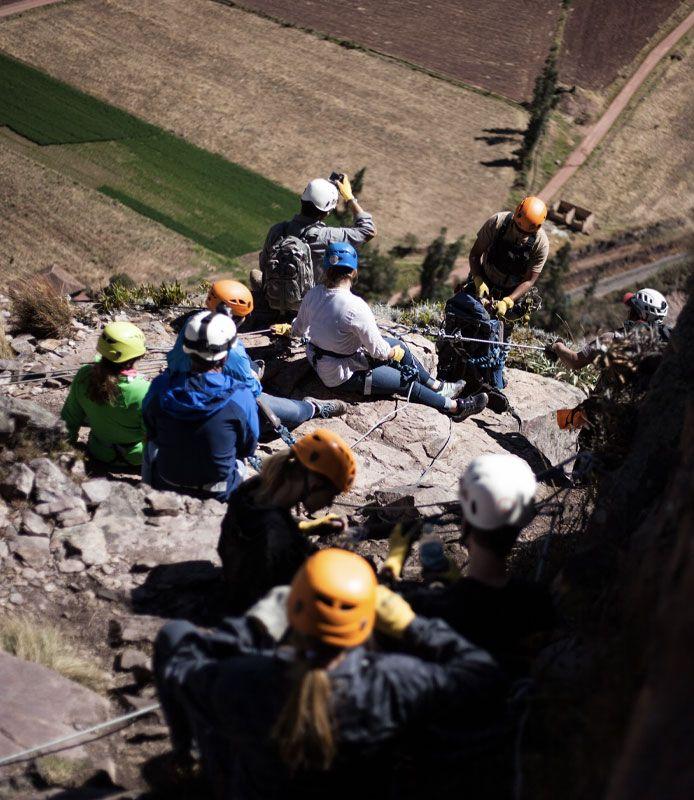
x,y
530,213
233,295
327,453
333,598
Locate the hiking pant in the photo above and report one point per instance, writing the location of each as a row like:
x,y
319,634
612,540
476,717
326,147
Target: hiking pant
x,y
291,413
385,380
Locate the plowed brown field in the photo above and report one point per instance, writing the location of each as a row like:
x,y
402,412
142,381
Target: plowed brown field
x,y
285,103
48,219
603,36
498,45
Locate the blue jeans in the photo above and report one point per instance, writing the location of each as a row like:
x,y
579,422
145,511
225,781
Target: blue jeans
x,y
385,380
291,413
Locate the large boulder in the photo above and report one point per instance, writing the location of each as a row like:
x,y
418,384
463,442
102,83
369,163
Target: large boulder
x,y
39,705
19,416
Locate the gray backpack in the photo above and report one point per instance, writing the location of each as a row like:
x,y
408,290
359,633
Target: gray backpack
x,y
288,271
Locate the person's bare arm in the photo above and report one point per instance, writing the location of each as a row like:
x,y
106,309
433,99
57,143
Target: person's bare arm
x,y
475,258
571,359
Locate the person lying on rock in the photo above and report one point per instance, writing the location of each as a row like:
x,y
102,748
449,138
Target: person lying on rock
x,y
506,615
320,713
261,544
201,424
647,309
232,297
107,397
347,350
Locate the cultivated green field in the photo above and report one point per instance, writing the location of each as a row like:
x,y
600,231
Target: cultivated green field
x,y
222,206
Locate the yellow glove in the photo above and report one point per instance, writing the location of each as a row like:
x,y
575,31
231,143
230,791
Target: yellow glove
x,y
344,187
393,613
333,521
398,353
398,548
502,307
480,286
282,329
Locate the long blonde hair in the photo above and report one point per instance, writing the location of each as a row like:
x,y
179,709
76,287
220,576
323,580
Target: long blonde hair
x,y
304,729
276,470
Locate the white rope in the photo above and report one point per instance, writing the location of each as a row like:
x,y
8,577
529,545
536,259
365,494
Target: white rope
x,y
79,734
385,419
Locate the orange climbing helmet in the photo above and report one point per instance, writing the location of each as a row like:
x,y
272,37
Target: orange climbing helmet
x,y
530,213
333,598
327,453
233,295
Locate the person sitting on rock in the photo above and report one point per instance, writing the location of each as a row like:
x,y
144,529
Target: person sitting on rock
x,y
647,308
261,544
201,423
107,397
346,348
318,200
232,297
320,713
504,614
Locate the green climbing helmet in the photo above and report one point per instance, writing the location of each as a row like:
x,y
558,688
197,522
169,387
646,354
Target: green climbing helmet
x,y
121,341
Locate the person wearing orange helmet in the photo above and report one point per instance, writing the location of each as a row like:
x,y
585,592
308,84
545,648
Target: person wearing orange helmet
x,y
508,255
320,712
261,543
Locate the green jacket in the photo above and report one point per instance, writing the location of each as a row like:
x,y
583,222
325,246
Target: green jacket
x,y
117,431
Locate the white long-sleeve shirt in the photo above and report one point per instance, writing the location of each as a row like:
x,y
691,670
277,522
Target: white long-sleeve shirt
x,y
339,321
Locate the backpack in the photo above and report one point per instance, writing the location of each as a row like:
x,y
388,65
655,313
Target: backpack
x,y
288,271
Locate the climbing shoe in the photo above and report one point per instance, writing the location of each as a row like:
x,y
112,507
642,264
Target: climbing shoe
x,y
327,408
469,406
452,390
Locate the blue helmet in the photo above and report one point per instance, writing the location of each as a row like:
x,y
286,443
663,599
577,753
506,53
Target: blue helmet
x,y
340,254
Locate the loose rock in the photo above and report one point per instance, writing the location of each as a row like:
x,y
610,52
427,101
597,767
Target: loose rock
x,y
34,525
19,481
96,490
88,541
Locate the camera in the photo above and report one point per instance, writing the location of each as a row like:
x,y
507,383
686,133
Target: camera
x,y
336,176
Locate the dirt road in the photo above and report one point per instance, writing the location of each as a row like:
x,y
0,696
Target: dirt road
x,y
15,6
631,277
597,131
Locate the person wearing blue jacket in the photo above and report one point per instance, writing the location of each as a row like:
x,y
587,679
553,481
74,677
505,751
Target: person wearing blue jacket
x,y
314,710
232,297
201,424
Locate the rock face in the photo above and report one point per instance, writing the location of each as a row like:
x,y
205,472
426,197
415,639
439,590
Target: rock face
x,y
17,416
39,705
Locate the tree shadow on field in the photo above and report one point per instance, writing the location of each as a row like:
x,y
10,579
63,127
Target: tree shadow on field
x,y
505,131
494,140
501,162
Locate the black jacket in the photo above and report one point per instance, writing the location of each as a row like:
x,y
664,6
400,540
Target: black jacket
x,y
225,689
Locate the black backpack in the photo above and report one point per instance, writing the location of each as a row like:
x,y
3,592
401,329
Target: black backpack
x,y
288,271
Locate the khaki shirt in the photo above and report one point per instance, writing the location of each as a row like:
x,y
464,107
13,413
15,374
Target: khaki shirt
x,y
485,238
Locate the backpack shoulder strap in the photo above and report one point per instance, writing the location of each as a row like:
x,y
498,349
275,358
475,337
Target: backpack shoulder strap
x,y
503,229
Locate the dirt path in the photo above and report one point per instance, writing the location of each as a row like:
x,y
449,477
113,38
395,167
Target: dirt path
x,y
23,5
596,133
628,278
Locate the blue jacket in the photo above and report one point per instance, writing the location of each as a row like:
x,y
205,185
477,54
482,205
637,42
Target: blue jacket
x,y
238,364
225,689
201,423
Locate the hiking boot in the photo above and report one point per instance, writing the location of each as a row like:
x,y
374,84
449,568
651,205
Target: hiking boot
x,y
469,406
452,390
327,408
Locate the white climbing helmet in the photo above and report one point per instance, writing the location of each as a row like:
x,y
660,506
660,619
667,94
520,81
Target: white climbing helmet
x,y
322,193
209,335
650,304
496,490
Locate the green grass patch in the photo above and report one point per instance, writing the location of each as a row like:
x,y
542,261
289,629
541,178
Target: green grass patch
x,y
203,196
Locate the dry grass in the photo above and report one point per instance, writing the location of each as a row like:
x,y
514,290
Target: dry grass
x,y
284,103
46,645
5,349
643,171
39,309
50,219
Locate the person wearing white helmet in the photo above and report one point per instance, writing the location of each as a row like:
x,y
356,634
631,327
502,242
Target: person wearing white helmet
x,y
201,422
318,200
647,308
497,611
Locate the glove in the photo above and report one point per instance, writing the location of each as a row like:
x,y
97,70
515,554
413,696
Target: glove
x,y
480,286
393,613
551,353
334,522
271,612
398,548
344,187
398,353
502,307
282,329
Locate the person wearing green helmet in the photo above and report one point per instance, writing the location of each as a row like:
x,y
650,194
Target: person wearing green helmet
x,y
107,396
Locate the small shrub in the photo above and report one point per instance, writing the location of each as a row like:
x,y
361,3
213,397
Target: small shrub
x,y
46,645
123,279
117,296
40,310
55,770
